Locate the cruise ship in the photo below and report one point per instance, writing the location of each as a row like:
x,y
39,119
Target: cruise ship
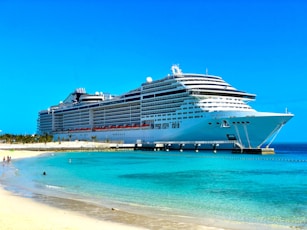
x,y
179,108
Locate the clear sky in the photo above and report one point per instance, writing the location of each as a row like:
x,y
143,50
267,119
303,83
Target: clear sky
x,y
48,48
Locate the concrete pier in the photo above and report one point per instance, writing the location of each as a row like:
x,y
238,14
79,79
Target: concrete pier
x,y
215,146
263,151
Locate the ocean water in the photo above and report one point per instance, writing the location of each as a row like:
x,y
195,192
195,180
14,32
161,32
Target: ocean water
x,y
171,190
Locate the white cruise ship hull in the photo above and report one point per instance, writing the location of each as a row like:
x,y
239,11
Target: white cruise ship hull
x,y
248,130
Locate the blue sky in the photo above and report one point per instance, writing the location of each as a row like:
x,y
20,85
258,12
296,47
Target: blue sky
x,y
48,48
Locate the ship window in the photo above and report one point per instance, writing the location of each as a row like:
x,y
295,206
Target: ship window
x,y
225,124
231,137
165,126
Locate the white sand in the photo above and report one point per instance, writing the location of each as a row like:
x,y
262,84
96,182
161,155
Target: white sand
x,y
22,213
55,145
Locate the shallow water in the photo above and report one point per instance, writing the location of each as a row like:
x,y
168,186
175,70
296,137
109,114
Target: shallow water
x,y
171,189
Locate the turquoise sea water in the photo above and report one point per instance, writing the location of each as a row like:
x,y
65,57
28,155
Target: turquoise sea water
x,y
222,189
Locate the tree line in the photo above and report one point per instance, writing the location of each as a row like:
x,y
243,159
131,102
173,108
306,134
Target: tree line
x,y
18,138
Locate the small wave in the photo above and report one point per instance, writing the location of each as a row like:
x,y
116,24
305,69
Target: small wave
x,y
53,187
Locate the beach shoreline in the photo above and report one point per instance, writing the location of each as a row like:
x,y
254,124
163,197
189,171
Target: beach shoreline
x,y
18,212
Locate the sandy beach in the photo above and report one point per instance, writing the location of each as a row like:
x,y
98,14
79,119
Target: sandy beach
x,y
24,213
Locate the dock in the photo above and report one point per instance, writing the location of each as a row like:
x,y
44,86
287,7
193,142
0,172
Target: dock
x,y
232,145
263,151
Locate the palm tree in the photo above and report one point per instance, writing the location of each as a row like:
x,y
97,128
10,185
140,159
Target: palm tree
x,y
94,138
